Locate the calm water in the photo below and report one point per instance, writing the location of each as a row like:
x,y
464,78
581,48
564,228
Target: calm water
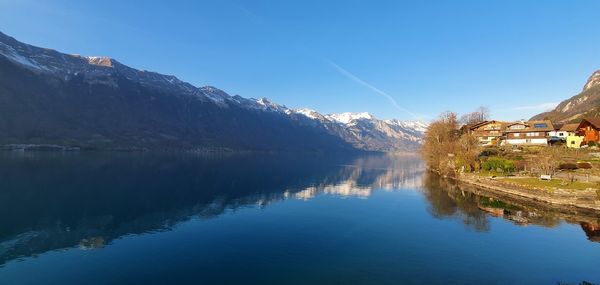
x,y
273,219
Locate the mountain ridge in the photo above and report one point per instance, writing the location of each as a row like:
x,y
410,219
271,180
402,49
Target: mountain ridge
x,y
98,102
584,104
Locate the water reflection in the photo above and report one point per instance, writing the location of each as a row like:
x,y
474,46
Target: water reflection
x,y
53,201
449,200
85,201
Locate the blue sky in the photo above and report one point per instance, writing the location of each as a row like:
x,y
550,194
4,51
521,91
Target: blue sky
x,y
395,59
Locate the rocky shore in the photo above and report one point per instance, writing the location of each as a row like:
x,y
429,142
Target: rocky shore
x,y
568,201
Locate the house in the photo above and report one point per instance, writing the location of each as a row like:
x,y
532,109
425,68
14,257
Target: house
x,y
487,132
567,130
589,129
528,133
563,131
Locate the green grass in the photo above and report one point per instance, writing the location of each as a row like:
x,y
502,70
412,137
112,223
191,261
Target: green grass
x,y
554,183
484,173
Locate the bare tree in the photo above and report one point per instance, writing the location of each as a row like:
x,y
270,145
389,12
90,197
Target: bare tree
x,y
479,115
548,160
440,144
468,152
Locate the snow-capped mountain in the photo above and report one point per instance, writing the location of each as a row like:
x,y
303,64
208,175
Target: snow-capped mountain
x,y
97,102
347,117
364,131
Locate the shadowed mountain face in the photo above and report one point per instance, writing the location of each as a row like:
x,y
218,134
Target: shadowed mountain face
x,y
584,104
47,97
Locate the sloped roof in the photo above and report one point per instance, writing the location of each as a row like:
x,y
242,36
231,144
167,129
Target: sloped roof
x,y
569,127
531,126
594,122
477,125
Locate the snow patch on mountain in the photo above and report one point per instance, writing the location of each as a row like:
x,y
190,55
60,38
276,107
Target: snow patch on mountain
x,y
362,130
347,117
309,113
419,126
11,54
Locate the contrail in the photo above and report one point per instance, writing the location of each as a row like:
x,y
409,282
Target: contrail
x,y
354,78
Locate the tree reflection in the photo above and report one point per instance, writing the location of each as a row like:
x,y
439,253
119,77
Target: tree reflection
x,y
592,230
473,207
447,200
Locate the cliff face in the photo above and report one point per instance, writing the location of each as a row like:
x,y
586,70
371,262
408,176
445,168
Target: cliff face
x,y
586,103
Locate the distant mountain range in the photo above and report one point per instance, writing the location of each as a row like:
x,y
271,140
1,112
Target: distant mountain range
x,y
48,97
584,104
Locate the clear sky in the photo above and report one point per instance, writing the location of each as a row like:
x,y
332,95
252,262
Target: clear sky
x,y
395,59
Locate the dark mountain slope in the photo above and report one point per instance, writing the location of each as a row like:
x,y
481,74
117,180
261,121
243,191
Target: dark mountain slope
x,y
52,98
42,108
47,97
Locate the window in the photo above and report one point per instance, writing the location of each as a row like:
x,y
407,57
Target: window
x,y
532,134
517,134
517,127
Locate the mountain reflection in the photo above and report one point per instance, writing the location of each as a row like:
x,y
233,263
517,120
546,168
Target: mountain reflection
x,y
52,201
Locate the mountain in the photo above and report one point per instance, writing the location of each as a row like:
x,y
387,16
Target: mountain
x,y
584,104
48,97
366,132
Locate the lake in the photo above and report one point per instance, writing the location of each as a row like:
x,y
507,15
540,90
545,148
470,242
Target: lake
x,y
140,218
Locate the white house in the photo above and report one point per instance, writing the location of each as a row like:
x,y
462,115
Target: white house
x,y
528,133
565,131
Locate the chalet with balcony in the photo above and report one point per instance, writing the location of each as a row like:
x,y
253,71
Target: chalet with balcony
x,y
589,129
487,132
528,133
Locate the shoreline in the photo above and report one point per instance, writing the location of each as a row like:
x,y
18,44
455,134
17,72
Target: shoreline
x,y
577,202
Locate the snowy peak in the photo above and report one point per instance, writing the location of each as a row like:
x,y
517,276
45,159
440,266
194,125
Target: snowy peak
x,y
364,131
216,95
347,117
309,113
267,105
419,126
360,130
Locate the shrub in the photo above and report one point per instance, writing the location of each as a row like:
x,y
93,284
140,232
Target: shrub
x,y
488,152
591,144
567,166
497,163
584,165
520,165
